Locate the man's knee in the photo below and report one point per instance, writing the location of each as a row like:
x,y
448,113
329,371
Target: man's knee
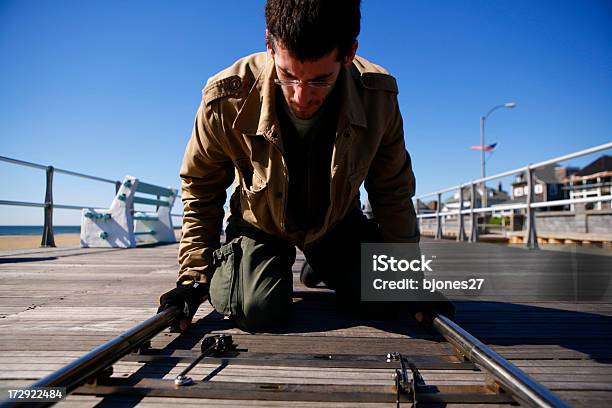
x,y
264,311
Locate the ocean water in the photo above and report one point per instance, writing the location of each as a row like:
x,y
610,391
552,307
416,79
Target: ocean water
x,y
37,229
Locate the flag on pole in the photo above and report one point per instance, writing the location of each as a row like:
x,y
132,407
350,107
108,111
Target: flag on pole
x,y
487,148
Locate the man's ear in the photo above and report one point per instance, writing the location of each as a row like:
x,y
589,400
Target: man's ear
x,y
348,58
269,47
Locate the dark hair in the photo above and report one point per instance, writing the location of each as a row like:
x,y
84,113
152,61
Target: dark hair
x,y
310,29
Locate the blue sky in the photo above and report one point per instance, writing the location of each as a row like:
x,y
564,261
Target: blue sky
x,y
110,88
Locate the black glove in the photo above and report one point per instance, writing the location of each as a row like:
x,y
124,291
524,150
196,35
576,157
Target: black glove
x,y
437,304
187,296
443,307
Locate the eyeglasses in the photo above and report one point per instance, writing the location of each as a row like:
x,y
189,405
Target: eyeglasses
x,y
310,84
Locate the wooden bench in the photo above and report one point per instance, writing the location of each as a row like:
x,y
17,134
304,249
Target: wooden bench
x,y
121,226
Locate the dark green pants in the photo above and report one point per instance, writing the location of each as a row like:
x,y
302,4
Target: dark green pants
x,y
253,282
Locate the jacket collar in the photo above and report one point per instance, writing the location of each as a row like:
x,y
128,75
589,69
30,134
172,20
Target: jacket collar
x,y
351,108
257,116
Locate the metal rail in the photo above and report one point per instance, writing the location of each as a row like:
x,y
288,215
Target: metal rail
x,y
94,362
522,169
43,167
22,163
21,203
540,204
515,382
48,239
530,205
512,379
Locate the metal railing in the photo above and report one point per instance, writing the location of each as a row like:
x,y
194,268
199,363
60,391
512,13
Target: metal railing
x,y
48,239
530,205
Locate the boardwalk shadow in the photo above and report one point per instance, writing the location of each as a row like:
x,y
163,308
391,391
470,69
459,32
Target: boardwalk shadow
x,y
543,332
29,259
320,312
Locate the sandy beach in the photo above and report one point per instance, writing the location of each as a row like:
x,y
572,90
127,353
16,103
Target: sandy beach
x,y
8,242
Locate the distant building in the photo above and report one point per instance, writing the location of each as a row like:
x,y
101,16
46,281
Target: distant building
x,y
548,186
426,207
494,196
593,180
422,207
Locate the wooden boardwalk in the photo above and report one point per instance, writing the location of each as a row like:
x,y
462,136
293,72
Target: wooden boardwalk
x,y
58,303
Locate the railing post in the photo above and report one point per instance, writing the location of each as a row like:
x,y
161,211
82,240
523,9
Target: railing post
x,y
532,237
438,218
47,238
474,216
461,231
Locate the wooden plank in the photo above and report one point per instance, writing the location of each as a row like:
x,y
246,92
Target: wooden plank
x,y
90,296
121,401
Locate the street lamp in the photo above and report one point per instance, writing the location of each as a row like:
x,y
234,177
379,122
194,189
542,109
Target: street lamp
x,y
508,105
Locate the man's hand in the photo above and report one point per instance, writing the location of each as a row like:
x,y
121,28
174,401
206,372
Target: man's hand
x,y
424,312
427,310
187,296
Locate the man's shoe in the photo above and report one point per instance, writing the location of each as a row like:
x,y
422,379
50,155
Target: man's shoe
x,y
308,276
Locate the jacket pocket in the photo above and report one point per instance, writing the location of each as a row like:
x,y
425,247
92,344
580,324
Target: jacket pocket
x,y
224,283
250,182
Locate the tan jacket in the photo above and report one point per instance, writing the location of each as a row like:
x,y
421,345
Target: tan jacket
x,y
236,132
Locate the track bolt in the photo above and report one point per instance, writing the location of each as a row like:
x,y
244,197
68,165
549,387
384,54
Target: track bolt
x,y
182,380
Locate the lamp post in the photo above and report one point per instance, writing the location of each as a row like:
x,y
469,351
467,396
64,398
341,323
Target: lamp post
x,y
508,105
